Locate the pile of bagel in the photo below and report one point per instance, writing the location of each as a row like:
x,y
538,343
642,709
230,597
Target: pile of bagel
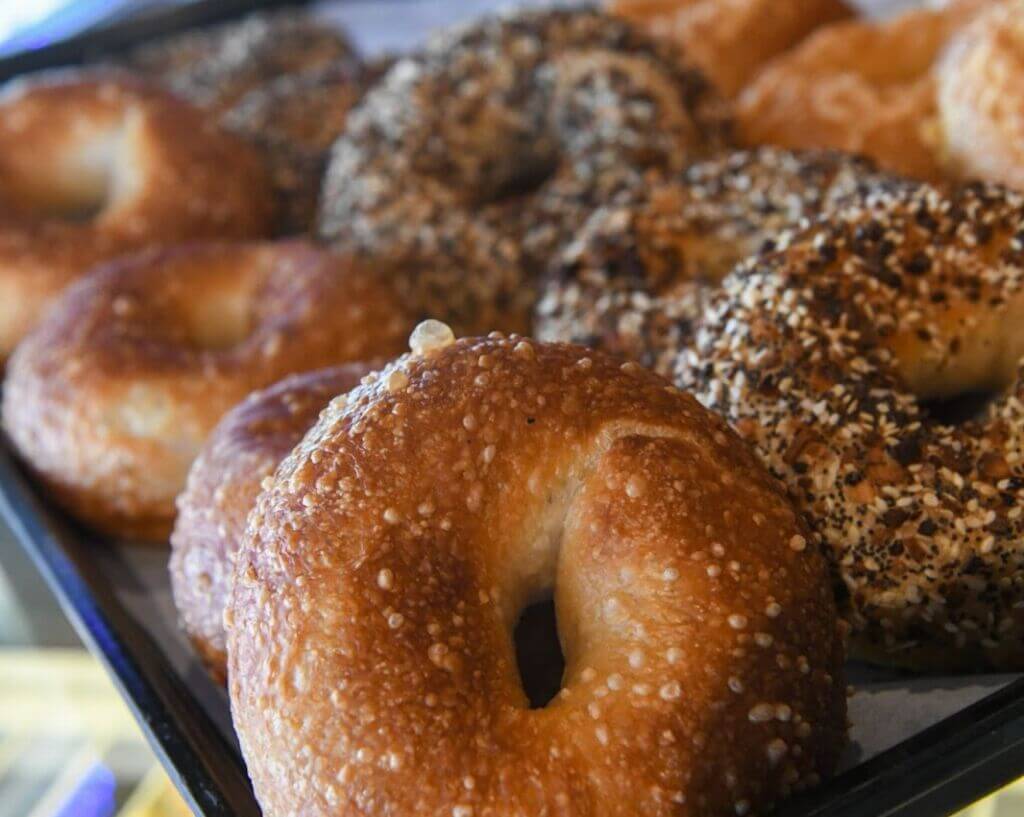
x,y
696,318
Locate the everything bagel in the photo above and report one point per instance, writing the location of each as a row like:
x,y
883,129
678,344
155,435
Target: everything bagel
x,y
371,663
635,278
545,113
825,356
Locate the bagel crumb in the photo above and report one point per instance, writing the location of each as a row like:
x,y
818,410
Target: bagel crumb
x,y
430,336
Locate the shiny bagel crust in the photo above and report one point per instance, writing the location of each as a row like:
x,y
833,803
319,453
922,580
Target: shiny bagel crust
x,y
371,662
95,165
730,40
110,398
981,98
223,482
828,356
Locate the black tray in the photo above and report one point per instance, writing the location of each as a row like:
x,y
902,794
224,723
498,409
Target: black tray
x,y
117,596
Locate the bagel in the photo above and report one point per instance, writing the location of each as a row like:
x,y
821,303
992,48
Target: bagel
x,y
731,39
635,278
981,102
369,625
214,67
223,482
294,120
96,165
545,112
110,398
825,356
861,86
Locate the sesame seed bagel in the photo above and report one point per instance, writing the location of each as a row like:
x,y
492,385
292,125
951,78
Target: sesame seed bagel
x,y
730,40
371,660
214,67
824,355
981,97
223,482
96,165
635,278
865,86
109,400
545,112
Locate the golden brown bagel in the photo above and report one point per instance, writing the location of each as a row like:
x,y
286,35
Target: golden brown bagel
x,y
861,86
826,356
731,39
371,663
241,452
981,97
95,165
111,397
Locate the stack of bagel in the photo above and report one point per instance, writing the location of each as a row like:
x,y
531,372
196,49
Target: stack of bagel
x,y
712,345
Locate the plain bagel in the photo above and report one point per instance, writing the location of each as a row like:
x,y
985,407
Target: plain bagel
x,y
371,663
111,397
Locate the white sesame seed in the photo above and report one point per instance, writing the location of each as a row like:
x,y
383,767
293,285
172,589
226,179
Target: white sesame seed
x,y
798,542
385,579
391,516
673,655
773,610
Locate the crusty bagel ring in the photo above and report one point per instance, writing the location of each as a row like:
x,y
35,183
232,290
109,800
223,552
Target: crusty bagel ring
x,y
241,452
110,398
731,39
544,112
215,67
981,97
94,165
371,663
635,278
861,86
822,355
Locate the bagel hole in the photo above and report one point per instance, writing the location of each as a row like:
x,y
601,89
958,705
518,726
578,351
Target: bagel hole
x,y
960,408
539,653
220,321
78,186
